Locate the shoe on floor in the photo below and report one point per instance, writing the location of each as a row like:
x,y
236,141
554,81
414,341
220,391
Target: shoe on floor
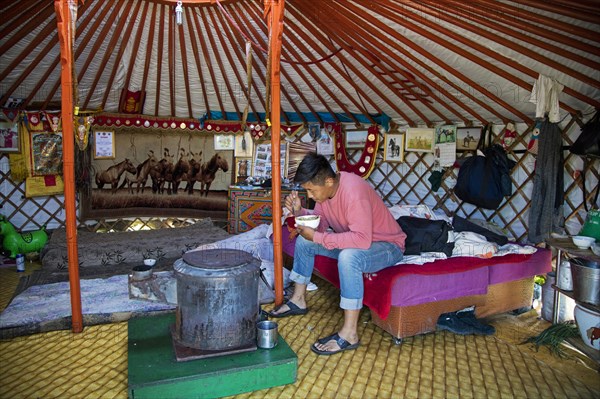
x,y
451,322
294,310
311,287
342,343
480,327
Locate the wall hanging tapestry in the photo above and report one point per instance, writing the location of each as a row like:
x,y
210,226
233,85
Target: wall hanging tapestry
x,y
158,172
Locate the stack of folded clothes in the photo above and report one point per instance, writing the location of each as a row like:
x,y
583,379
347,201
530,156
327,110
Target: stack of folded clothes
x,y
464,322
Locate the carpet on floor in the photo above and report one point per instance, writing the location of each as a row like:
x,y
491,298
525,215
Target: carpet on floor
x,y
43,301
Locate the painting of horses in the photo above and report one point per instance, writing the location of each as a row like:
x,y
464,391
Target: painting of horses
x,y
394,147
158,172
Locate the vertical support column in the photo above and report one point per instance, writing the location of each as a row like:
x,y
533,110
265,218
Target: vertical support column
x,y
275,9
65,37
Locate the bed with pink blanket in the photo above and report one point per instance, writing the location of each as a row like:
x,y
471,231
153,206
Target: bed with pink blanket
x,y
407,299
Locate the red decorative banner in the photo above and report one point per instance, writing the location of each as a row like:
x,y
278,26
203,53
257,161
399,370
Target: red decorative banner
x,y
11,114
53,120
209,126
35,123
366,163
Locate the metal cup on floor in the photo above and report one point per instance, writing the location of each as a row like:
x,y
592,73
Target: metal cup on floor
x,y
266,334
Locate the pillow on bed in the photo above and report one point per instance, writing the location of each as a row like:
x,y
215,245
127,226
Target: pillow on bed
x,y
425,235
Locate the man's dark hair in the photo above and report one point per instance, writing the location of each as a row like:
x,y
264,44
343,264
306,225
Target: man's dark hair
x,y
314,168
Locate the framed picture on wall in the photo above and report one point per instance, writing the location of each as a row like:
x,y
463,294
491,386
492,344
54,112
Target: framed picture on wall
x,y
9,137
394,147
314,130
224,142
356,138
104,144
262,160
420,139
467,138
46,153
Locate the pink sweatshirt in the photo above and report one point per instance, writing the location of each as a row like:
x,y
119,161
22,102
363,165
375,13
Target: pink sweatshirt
x,y
357,215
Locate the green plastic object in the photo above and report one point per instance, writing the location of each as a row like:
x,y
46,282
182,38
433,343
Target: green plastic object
x,y
591,226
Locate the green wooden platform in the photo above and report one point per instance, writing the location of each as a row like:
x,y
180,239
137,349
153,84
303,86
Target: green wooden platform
x,y
154,372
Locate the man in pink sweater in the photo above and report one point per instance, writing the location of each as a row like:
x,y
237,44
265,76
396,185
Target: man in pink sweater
x,y
356,228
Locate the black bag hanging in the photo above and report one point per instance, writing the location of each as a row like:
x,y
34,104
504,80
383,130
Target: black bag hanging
x,y
588,142
485,180
588,145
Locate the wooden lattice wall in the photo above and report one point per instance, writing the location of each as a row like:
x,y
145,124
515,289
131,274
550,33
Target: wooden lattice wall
x,y
397,183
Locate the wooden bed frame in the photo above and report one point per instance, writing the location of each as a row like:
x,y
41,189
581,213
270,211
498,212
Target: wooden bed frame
x,y
406,321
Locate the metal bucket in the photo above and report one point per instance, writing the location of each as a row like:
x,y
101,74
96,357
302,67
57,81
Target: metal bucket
x,y
217,298
586,280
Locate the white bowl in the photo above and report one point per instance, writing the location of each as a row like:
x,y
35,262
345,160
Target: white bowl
x,y
588,321
311,221
583,242
149,262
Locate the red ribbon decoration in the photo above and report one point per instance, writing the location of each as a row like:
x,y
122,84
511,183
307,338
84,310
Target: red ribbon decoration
x,y
366,163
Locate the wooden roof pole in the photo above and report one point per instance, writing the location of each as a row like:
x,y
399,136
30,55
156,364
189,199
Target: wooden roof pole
x,y
65,35
274,13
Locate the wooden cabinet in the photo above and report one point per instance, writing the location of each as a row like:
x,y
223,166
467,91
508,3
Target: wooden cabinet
x,y
247,209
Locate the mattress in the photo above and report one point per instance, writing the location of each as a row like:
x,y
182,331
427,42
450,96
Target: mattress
x,y
406,285
439,287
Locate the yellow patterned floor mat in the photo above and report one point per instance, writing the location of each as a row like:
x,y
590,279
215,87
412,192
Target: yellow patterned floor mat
x,y
93,364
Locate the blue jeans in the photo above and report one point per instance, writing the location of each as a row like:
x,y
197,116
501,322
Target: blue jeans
x,y
352,263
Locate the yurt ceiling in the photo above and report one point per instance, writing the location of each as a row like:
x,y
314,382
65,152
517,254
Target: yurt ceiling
x,y
417,62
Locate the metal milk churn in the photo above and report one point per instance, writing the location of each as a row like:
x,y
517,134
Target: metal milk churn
x,y
217,299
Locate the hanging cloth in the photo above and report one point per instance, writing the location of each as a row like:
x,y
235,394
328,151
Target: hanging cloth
x,y
366,163
548,185
545,95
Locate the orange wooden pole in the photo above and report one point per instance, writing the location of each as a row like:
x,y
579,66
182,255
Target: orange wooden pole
x,y
275,21
65,35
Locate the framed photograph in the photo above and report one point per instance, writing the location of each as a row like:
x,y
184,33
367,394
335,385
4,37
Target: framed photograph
x,y
419,139
467,138
356,138
104,144
325,144
46,153
244,145
314,130
262,160
9,137
394,147
224,142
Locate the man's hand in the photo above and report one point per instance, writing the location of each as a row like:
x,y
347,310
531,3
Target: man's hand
x,y
293,204
306,232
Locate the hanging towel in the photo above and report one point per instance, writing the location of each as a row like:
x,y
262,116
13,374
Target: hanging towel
x,y
544,95
548,185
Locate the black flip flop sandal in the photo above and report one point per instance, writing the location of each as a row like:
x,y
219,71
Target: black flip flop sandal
x,y
294,310
342,343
